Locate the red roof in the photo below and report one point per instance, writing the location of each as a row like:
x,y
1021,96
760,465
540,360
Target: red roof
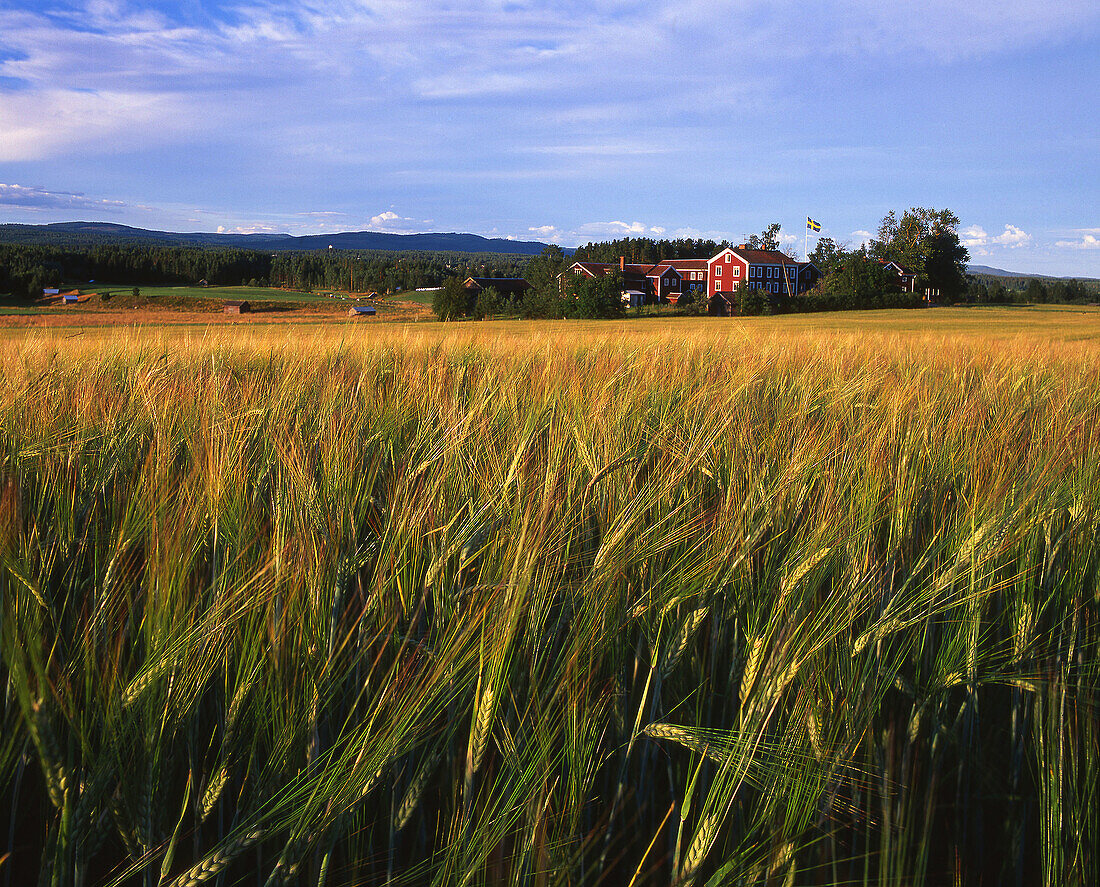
x,y
660,268
596,269
687,264
763,256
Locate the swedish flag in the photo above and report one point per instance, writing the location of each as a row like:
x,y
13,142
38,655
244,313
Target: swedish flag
x,y
812,225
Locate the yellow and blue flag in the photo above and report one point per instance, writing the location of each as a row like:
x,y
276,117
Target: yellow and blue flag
x,y
812,225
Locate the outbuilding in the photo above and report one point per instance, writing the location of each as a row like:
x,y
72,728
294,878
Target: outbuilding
x,y
362,311
237,308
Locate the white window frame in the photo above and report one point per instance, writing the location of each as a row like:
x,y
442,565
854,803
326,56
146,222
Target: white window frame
x,y
736,271
718,271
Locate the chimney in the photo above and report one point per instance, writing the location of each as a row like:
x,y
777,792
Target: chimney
x,y
622,263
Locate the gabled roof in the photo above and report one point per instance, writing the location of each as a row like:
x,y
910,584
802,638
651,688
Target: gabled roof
x,y
901,268
763,256
660,268
592,269
688,264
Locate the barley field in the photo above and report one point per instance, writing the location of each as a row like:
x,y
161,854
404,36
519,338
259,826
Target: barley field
x,y
776,602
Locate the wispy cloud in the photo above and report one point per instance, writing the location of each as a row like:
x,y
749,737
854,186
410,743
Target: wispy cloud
x,y
619,229
105,68
249,229
30,198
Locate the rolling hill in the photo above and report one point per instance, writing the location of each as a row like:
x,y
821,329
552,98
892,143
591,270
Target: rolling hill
x,y
104,233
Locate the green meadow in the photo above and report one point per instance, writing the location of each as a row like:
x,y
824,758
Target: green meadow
x,y
214,293
796,600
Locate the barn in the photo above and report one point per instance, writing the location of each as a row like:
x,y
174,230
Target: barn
x,y
237,308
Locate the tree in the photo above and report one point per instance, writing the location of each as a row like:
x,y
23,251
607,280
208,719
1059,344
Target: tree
x,y
452,301
596,296
862,282
544,302
1036,293
926,241
488,302
750,301
543,269
767,239
827,256
977,292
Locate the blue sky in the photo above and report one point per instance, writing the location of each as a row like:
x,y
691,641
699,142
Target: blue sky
x,y
563,121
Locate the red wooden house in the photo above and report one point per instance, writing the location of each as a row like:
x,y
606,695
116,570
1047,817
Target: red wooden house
x,y
663,284
693,273
768,270
907,279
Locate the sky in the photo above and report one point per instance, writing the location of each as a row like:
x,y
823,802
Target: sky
x,y
567,121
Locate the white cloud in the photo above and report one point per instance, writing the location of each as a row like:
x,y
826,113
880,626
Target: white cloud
x,y
974,236
30,198
976,239
618,229
1088,241
1012,237
385,218
251,229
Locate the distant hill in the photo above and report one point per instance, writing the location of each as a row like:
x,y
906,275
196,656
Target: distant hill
x,y
999,272
101,233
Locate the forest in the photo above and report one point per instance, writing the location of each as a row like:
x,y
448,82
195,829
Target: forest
x,y
26,270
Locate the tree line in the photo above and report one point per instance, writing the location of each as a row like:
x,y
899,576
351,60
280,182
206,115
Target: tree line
x,y
25,270
548,296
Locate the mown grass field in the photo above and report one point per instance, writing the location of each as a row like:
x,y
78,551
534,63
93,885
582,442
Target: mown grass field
x,y
216,293
780,601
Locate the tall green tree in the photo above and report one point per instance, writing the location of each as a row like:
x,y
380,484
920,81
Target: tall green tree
x,y
927,242
767,239
596,297
861,282
827,256
452,301
543,270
